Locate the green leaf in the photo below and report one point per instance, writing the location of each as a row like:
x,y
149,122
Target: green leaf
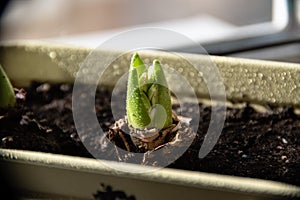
x,y
7,95
159,93
137,104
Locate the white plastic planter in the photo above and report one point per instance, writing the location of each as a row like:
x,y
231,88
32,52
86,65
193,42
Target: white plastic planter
x,y
43,175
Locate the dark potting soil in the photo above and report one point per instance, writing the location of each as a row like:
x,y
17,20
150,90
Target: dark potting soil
x,y
252,144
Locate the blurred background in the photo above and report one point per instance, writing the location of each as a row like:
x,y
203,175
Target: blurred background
x,y
228,24
32,19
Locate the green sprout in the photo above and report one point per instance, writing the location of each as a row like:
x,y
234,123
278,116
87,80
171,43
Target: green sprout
x,y
148,97
7,95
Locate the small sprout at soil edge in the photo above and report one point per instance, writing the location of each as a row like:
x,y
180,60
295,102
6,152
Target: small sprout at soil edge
x,y
7,95
148,97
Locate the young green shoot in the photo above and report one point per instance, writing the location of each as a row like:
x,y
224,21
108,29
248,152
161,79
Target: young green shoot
x,y
148,97
7,95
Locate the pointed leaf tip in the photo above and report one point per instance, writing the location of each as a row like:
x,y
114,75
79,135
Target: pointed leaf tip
x,y
138,64
156,62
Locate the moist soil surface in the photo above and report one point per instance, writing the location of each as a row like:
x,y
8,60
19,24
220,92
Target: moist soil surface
x,y
252,144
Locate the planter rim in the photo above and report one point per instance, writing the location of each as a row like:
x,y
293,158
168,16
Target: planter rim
x,y
245,80
166,175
